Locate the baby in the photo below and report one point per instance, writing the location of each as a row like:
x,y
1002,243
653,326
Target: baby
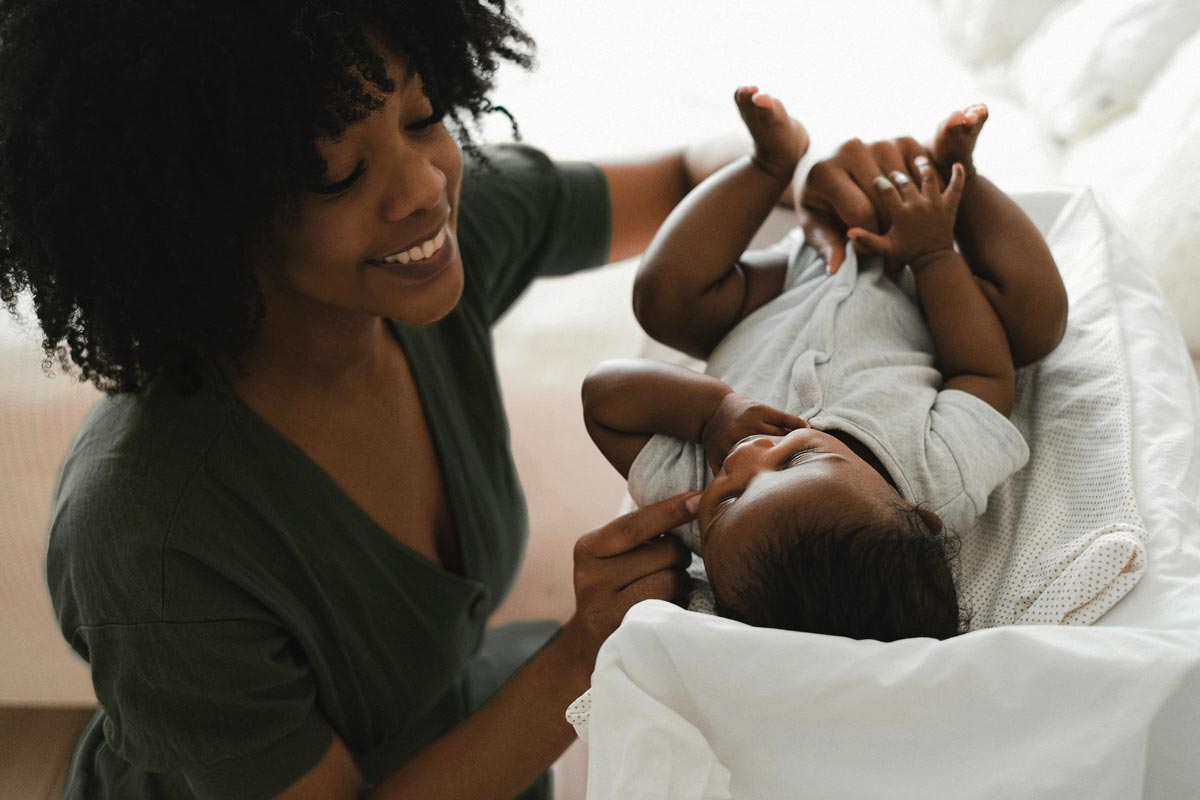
x,y
848,424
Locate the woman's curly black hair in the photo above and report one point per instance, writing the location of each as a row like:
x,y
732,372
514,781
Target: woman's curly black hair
x,y
145,144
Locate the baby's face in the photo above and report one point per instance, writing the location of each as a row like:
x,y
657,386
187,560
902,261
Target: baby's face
x,y
766,481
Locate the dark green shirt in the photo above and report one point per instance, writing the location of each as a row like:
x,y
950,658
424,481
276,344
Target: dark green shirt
x,y
235,604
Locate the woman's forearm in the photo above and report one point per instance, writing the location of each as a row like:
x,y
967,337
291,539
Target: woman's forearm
x,y
515,737
972,350
1019,277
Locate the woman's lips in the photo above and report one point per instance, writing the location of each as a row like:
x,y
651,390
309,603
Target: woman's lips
x,y
405,265
418,252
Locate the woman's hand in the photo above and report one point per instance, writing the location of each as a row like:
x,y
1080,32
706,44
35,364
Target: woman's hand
x,y
835,197
922,216
627,561
738,416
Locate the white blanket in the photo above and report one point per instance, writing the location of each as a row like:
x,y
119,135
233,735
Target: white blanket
x,y
1063,540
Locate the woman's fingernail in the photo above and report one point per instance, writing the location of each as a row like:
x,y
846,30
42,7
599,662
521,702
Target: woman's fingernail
x,y
922,162
692,503
899,177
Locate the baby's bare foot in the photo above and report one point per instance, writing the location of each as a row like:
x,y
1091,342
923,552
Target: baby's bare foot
x,y
779,140
956,137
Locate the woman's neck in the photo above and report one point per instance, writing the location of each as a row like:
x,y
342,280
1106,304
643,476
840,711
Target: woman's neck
x,y
305,350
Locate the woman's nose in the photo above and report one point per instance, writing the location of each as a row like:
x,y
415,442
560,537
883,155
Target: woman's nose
x,y
417,185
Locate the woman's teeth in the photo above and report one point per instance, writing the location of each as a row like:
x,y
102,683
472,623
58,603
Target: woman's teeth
x,y
419,252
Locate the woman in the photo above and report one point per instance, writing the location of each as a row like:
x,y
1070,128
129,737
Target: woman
x,y
279,539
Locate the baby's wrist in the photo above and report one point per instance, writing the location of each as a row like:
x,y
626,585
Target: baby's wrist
x,y
924,261
715,399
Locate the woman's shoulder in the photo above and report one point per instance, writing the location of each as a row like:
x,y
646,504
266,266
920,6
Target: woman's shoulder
x,y
524,215
132,466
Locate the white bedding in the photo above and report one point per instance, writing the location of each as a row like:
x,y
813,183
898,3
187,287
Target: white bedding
x,y
690,706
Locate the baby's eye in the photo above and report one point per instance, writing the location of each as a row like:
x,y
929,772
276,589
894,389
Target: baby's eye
x,y
797,457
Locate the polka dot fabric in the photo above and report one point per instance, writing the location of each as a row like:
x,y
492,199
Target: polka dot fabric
x,y
1062,540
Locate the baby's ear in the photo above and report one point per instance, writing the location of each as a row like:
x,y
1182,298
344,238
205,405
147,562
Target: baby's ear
x,y
932,520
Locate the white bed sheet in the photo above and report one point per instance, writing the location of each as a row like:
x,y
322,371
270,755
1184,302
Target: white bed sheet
x,y
690,706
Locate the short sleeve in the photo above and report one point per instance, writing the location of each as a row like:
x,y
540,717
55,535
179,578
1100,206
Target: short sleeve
x,y
230,704
971,449
524,216
665,467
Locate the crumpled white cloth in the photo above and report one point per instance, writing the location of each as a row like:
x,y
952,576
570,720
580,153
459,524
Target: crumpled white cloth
x,y
700,601
691,706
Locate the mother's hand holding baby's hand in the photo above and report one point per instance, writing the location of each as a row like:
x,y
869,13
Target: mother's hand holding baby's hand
x,y
738,416
835,197
627,561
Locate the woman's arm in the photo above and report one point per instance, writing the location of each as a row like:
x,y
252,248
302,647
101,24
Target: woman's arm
x,y
504,746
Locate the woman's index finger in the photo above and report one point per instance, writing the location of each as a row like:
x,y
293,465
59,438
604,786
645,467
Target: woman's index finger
x,y
637,527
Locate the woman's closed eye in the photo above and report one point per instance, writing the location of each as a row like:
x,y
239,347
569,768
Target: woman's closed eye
x,y
420,126
344,184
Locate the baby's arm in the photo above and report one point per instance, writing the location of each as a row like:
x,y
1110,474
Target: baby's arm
x,y
696,281
1004,249
627,401
972,350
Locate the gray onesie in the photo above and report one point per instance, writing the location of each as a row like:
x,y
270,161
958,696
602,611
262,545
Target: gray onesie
x,y
851,352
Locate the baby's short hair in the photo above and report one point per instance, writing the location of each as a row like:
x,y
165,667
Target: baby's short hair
x,y
885,578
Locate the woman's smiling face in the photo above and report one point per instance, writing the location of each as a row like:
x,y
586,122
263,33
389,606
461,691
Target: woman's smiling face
x,y
378,237
766,483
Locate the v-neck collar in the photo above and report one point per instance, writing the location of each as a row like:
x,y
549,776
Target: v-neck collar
x,y
436,435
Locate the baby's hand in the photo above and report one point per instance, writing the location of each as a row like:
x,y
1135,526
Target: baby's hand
x,y
737,417
922,218
779,140
955,139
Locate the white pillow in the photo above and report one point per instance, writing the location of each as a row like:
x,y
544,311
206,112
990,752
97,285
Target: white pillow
x,y
1122,160
1167,222
1091,61
982,31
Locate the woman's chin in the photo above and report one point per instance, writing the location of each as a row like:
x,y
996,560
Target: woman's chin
x,y
425,302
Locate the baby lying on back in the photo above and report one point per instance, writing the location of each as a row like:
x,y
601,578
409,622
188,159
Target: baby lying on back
x,y
847,424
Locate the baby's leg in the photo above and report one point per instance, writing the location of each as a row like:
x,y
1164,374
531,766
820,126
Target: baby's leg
x,y
1002,246
955,139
